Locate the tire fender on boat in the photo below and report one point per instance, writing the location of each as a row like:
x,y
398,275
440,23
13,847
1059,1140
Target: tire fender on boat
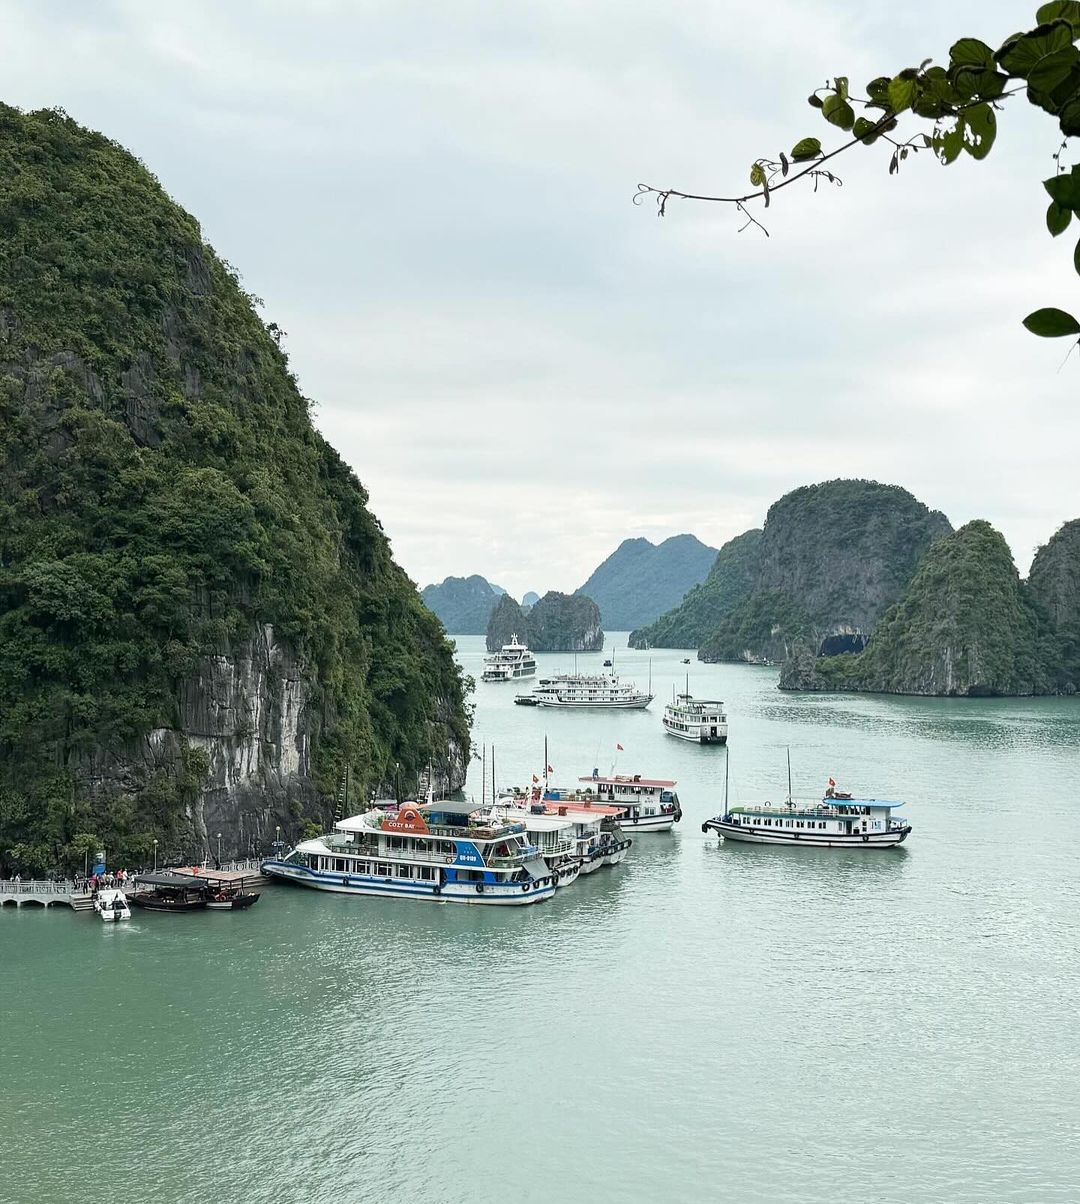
x,y
524,886
479,888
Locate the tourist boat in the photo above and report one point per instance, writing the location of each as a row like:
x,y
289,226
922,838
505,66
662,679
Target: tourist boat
x,y
698,719
552,836
514,660
162,891
685,660
445,852
227,898
597,839
838,821
111,905
594,691
650,804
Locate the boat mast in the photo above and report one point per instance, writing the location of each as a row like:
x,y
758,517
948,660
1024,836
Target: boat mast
x,y
493,775
789,774
545,766
727,767
483,777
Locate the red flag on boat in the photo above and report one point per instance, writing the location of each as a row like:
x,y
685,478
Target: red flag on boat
x,y
535,778
620,748
550,769
832,781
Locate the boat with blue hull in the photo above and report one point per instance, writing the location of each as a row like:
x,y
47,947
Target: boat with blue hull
x,y
444,852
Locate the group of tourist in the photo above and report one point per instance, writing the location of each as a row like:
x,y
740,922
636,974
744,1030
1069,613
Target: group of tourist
x,y
109,880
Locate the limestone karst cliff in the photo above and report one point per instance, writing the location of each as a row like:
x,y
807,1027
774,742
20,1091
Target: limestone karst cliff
x,y
463,604
966,625
201,624
565,623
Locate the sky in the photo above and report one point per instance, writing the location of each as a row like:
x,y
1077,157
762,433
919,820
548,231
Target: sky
x,y
523,366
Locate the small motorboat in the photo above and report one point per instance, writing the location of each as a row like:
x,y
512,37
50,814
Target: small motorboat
x,y
685,660
607,664
231,900
112,905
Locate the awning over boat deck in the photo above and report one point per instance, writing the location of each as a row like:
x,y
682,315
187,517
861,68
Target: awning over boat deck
x,y
176,881
535,867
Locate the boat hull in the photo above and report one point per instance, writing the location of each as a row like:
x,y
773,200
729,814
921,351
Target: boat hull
x,y
648,823
167,904
832,840
630,704
697,737
510,895
239,903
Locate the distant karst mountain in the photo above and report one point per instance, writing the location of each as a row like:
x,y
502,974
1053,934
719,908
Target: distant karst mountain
x,y
463,604
530,599
557,623
640,580
829,561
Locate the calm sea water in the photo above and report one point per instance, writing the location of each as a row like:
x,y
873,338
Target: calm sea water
x,y
702,1022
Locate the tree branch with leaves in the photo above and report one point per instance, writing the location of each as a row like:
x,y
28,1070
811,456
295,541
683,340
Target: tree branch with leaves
x,y
960,103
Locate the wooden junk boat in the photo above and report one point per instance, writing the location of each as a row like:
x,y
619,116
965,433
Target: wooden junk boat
x,y
165,891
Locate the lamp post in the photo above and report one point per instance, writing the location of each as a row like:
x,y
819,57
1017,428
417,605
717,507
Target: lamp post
x,y
219,850
155,854
277,842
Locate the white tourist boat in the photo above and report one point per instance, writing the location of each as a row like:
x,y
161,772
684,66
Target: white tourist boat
x,y
649,804
592,691
595,833
111,905
700,720
512,661
445,852
838,821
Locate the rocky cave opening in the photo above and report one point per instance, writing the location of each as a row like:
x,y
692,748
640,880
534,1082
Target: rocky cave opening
x,y
833,645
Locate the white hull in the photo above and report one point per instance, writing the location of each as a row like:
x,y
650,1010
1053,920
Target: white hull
x,y
516,675
567,873
697,737
615,858
630,704
823,840
508,895
110,917
647,823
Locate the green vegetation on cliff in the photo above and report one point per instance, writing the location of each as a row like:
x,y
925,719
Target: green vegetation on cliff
x,y
163,495
463,604
966,625
565,623
766,625
729,582
1055,582
507,620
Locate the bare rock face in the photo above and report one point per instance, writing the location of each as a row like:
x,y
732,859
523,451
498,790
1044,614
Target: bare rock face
x,y
565,623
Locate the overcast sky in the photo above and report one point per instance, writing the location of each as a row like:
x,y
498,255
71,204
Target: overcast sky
x,y
524,368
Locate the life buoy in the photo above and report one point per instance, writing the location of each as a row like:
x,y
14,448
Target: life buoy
x,y
345,882
449,859
436,889
524,886
479,888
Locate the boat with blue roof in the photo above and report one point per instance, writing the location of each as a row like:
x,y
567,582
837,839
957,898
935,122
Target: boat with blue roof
x,y
839,820
445,852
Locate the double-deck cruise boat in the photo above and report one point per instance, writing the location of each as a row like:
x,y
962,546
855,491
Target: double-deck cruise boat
x,y
445,851
649,804
838,821
593,691
697,719
596,836
512,661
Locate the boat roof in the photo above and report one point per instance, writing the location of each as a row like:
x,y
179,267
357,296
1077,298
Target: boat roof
x,y
543,823
635,780
178,881
688,700
796,803
582,807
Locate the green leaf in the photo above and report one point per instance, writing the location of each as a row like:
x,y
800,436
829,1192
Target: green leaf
x,y
808,148
901,93
1021,53
981,130
1057,218
757,175
1065,189
863,127
1070,119
970,52
1076,258
970,82
1063,10
815,100
878,89
841,83
837,111
950,143
1052,70
1051,323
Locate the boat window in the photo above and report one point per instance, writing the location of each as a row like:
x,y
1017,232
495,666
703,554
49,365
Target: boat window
x,y
382,868
339,865
402,871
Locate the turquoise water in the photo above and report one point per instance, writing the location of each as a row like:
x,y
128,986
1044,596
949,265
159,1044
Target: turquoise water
x,y
702,1022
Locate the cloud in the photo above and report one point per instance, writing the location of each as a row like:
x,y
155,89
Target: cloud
x,y
524,367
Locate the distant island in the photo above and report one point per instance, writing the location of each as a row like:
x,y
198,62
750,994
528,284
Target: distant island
x,y
855,585
556,623
463,604
640,580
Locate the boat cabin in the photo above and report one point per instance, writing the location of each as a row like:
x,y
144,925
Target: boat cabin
x,y
638,796
845,817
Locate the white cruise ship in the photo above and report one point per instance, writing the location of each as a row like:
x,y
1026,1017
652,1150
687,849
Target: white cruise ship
x,y
649,804
698,719
594,691
446,852
512,661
